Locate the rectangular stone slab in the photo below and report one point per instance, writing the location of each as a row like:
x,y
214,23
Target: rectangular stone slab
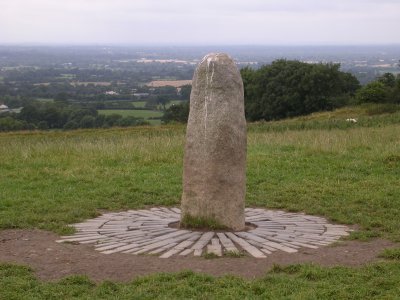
x,y
246,246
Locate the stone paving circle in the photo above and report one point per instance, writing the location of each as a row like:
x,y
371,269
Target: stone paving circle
x,y
148,232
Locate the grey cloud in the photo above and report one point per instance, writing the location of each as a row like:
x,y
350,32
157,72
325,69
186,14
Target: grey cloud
x,y
206,21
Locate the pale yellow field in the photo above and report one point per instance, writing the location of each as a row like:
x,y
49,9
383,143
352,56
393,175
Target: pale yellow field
x,y
174,83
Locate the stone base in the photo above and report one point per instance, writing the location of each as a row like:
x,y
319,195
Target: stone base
x,y
148,232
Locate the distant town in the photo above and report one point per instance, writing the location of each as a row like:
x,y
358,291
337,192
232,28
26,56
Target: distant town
x,y
141,83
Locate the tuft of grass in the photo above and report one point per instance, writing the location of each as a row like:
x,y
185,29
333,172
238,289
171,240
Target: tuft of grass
x,y
375,281
189,221
210,255
393,254
234,254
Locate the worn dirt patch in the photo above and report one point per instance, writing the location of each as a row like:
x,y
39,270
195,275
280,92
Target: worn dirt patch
x,y
52,261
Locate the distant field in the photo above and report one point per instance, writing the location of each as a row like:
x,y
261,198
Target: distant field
x,y
145,114
100,83
45,99
174,102
174,83
67,76
142,104
139,104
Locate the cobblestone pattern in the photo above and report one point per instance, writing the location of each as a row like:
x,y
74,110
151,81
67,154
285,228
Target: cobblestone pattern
x,y
147,232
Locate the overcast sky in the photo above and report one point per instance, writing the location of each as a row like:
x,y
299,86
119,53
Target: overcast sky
x,y
177,22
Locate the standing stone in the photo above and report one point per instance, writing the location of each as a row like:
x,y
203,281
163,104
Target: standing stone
x,y
214,171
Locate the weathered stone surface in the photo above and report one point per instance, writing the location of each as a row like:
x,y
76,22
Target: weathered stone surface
x,y
214,175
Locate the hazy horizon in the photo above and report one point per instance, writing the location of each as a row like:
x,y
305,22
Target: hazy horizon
x,y
217,22
170,45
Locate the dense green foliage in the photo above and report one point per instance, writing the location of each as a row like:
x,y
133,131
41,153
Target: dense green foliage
x,y
177,113
291,88
40,115
386,89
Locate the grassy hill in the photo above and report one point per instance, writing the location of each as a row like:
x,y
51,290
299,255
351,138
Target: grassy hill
x,y
319,164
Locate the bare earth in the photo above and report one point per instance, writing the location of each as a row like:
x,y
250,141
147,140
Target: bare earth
x,y
52,261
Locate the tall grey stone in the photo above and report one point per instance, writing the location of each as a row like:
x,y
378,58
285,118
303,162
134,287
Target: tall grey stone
x,y
214,172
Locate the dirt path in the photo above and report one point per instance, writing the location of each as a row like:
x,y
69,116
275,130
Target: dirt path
x,y
52,261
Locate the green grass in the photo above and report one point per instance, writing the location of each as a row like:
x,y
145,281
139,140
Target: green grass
x,y
348,174
140,114
174,102
45,99
368,115
51,179
393,254
142,104
189,221
139,104
377,281
145,114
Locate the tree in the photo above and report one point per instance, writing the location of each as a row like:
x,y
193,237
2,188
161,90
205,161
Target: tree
x,y
163,100
127,121
42,125
71,125
376,92
177,113
185,92
291,88
388,79
87,122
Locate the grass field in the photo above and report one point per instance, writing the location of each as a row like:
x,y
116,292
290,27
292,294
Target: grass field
x,y
348,173
45,99
139,104
144,114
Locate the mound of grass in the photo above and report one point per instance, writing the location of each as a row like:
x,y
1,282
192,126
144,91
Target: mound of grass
x,y
366,115
350,176
377,281
345,172
192,222
393,253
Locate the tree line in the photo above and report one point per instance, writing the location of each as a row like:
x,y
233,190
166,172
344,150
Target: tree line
x,y
279,90
289,88
58,115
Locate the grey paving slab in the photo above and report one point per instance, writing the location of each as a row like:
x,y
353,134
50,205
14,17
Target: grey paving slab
x,y
178,248
203,241
198,252
162,243
227,243
163,249
280,247
246,246
109,247
214,249
186,252
148,231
